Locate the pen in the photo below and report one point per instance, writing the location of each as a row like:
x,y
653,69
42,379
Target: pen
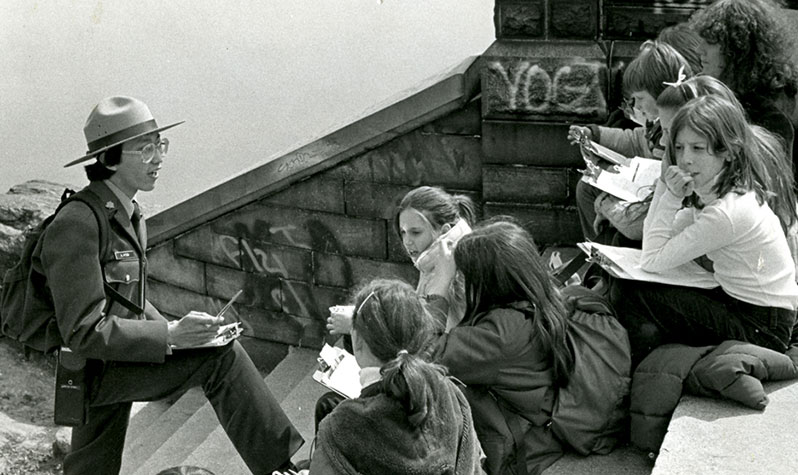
x,y
635,172
230,303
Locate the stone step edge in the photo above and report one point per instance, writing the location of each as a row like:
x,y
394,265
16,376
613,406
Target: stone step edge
x,y
205,428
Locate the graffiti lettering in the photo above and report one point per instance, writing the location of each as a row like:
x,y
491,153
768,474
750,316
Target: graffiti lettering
x,y
292,297
290,163
528,88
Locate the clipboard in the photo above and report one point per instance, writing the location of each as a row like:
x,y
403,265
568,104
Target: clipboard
x,y
624,263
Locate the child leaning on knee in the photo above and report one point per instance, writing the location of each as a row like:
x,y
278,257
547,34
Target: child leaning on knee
x,y
644,79
778,181
714,153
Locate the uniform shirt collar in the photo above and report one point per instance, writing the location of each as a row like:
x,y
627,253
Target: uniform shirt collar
x,y
127,203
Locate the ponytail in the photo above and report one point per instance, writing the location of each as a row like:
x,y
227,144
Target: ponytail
x,y
392,319
410,380
466,209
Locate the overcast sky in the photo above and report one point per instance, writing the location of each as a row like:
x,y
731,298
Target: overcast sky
x,y
250,78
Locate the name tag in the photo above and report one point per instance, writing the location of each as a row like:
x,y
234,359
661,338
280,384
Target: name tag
x,y
123,255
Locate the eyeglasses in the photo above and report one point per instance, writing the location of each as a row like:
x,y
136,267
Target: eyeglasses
x,y
627,104
147,153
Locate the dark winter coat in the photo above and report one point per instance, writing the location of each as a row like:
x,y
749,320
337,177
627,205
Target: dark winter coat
x,y
732,370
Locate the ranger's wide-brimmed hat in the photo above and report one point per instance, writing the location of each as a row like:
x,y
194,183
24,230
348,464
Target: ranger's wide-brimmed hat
x,y
116,120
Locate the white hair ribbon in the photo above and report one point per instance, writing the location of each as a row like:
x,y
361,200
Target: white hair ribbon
x,y
680,78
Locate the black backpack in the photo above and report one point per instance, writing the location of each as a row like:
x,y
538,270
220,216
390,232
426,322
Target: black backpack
x,y
27,313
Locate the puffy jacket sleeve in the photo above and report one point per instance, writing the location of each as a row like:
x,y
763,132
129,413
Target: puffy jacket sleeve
x,y
735,370
70,261
656,389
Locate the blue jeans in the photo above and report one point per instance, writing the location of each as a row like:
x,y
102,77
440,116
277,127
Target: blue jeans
x,y
655,314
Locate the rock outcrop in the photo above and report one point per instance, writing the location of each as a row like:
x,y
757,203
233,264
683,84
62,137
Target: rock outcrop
x,y
23,207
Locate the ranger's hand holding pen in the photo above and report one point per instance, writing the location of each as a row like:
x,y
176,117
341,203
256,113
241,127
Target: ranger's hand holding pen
x,y
197,328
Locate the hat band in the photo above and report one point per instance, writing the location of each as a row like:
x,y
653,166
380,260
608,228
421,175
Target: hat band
x,y
122,135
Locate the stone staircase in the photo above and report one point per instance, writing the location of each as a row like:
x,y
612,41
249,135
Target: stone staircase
x,y
186,431
705,435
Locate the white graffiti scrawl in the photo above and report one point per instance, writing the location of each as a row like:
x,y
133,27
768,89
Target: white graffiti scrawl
x,y
527,88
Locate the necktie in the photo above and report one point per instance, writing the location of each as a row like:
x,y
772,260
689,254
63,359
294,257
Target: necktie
x,y
135,219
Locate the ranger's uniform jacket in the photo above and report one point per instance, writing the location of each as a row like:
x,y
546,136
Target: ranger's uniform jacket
x,y
68,255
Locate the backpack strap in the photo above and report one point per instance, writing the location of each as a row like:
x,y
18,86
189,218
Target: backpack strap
x,y
101,215
581,298
570,269
515,430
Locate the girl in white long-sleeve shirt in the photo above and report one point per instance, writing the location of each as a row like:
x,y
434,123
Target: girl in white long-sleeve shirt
x,y
715,156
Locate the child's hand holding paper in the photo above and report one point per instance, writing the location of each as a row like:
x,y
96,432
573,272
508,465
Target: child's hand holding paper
x,y
340,320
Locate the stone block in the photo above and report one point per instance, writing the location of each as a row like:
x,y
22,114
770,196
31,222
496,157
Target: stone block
x,y
519,19
282,328
356,168
315,193
304,229
241,253
347,272
552,80
523,184
733,438
203,244
176,302
163,265
278,261
419,158
260,290
373,200
311,301
639,21
466,121
573,19
529,143
549,225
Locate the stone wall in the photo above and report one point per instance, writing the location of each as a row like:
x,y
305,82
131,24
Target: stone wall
x,y
301,250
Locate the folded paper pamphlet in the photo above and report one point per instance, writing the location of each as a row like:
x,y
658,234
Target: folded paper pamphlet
x,y
633,182
339,371
624,263
606,153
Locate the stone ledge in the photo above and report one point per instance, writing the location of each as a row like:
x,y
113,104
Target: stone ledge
x,y
723,437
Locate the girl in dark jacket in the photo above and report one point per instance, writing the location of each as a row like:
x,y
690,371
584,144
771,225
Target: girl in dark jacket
x,y
510,348
409,418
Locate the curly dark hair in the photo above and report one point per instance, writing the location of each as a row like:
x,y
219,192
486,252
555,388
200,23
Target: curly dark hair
x,y
754,44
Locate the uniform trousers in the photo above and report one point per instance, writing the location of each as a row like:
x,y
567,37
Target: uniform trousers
x,y
248,412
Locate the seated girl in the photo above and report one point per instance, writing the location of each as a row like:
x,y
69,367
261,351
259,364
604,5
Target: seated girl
x,y
429,222
711,151
409,418
778,182
510,346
